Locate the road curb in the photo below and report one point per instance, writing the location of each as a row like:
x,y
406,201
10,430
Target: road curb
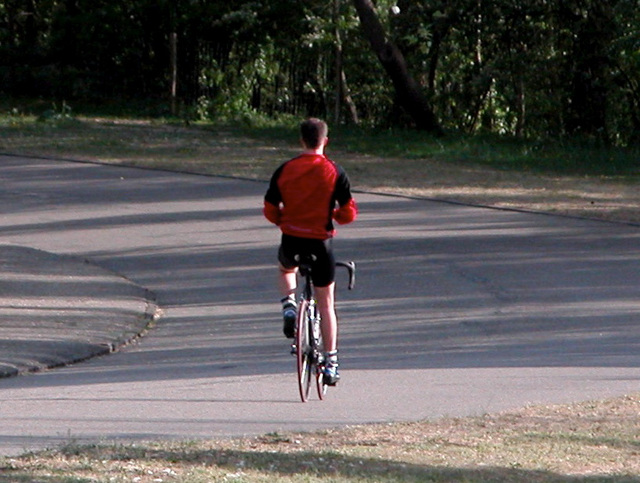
x,y
57,310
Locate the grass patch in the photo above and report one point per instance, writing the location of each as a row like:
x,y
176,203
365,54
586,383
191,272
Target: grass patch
x,y
551,156
567,157
585,442
572,179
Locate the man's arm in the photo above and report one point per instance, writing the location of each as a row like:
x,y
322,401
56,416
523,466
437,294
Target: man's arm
x,y
271,213
346,213
272,199
348,210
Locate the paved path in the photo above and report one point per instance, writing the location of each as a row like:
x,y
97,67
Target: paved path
x,y
459,310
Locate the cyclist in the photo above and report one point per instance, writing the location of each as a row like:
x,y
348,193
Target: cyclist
x,y
305,195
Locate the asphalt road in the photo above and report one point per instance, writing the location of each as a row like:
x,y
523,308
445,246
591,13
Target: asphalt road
x,y
458,310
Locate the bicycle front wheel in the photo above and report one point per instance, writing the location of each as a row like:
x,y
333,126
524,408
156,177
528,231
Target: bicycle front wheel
x,y
319,362
304,350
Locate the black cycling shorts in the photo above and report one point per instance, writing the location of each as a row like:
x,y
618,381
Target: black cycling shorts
x,y
323,269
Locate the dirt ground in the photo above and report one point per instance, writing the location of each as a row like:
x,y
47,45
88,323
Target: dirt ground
x,y
225,152
612,199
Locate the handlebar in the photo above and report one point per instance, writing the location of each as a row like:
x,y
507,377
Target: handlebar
x,y
351,268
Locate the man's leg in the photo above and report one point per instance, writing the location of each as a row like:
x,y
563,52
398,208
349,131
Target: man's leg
x,y
329,321
287,281
329,328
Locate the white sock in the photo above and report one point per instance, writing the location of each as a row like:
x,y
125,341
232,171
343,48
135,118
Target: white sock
x,y
332,357
290,299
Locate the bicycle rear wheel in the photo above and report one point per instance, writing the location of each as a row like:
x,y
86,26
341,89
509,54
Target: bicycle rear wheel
x,y
304,350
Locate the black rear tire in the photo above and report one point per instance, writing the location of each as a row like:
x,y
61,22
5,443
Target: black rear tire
x,y
304,350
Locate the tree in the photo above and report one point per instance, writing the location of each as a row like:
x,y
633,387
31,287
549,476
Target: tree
x,y
592,28
408,91
530,68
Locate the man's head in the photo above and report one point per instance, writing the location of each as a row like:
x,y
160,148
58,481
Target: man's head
x,y
313,133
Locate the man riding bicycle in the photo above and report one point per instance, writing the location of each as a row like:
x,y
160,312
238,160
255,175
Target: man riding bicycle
x,y
304,196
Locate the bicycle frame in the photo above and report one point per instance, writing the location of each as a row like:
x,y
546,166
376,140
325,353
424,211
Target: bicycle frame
x,y
308,341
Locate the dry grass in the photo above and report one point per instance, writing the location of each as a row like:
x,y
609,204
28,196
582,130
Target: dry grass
x,y
223,151
592,441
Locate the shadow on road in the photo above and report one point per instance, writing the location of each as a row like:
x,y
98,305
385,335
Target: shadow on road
x,y
439,285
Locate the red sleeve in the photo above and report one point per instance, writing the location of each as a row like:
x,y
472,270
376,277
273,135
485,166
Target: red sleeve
x,y
346,213
271,213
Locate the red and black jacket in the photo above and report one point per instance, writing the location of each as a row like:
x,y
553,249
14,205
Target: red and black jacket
x,y
306,194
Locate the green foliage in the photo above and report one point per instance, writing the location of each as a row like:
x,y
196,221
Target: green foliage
x,y
533,69
530,68
56,114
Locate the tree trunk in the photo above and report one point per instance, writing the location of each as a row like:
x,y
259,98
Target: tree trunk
x,y
342,89
408,91
173,49
346,94
337,107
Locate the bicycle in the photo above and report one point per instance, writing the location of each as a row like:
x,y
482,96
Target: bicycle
x,y
308,347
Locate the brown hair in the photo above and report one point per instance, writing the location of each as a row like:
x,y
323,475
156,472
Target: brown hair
x,y
313,131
